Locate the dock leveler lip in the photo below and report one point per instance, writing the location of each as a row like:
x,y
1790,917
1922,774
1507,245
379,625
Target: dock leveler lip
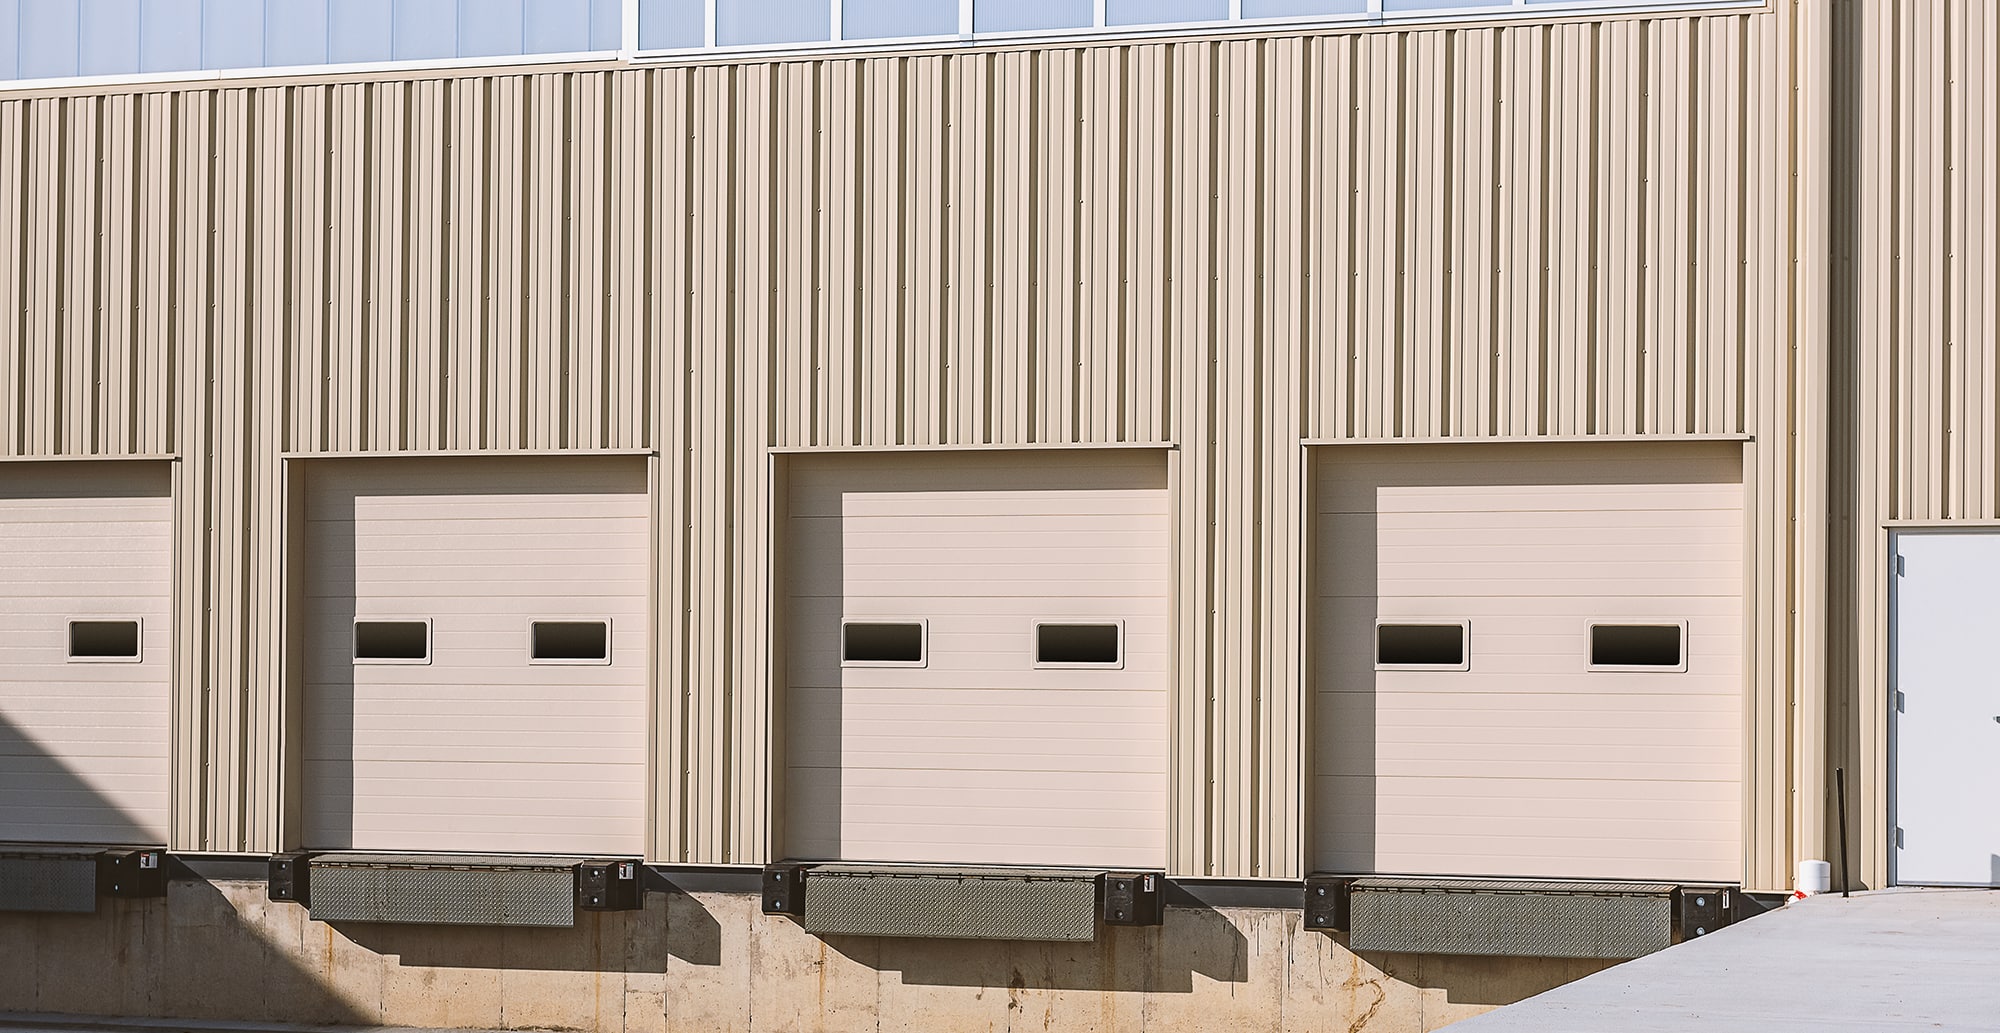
x,y
70,880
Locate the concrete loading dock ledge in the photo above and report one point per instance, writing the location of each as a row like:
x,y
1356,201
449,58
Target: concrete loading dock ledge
x,y
1495,461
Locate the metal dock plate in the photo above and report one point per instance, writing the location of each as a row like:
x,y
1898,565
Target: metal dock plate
x,y
1519,919
444,889
49,882
846,900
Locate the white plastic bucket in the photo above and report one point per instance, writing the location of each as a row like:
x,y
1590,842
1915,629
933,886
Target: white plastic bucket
x,y
1814,877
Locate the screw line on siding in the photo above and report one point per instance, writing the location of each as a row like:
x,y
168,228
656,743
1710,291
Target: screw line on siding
x,y
1744,230
1548,387
904,236
1947,506
1258,543
23,126
1699,153
1496,138
237,786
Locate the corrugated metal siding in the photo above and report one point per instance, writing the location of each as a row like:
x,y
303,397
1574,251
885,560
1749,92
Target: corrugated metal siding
x,y
1573,228
1915,386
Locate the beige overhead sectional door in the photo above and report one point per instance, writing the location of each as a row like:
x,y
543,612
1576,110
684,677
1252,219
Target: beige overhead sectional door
x,y
1590,725
86,575
476,654
978,658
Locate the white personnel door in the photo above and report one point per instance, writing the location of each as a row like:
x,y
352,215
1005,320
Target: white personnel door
x,y
1947,709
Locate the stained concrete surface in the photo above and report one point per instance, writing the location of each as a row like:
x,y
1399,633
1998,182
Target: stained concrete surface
x,y
1886,961
53,1023
220,956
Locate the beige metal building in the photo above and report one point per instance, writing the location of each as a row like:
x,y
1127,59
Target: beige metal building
x,y
1237,442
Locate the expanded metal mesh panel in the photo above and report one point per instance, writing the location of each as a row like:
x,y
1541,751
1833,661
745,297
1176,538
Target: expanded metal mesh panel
x,y
1542,920
951,905
360,889
50,883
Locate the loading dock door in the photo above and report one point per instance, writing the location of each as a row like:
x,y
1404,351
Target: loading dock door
x,y
1529,755
1005,619
1947,709
430,723
85,552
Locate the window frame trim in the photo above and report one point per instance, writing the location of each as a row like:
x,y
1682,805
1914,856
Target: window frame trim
x,y
354,643
1036,625
1517,11
529,643
1463,624
138,641
923,645
1592,623
228,76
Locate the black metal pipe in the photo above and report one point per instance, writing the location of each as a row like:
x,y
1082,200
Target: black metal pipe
x,y
1840,798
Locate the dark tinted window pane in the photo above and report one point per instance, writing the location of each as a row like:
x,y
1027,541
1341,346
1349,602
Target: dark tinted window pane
x,y
1635,645
882,643
104,640
570,640
392,640
1438,645
1076,644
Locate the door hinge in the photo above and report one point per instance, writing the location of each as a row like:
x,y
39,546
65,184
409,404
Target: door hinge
x,y
1899,837
1901,568
1902,702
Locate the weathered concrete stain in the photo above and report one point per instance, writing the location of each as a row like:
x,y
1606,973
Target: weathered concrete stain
x,y
713,963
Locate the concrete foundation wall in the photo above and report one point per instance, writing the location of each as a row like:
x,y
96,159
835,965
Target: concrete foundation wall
x,y
711,963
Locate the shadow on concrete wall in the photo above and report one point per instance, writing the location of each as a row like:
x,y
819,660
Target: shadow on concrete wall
x,y
1158,959
194,954
693,935
601,941
1471,979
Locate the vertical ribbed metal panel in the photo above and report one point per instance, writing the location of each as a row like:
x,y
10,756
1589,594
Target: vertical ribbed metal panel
x,y
1915,386
1577,229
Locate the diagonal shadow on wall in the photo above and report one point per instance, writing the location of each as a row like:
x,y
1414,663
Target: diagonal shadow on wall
x,y
201,952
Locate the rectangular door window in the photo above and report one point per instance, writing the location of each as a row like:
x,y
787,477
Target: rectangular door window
x,y
1080,644
104,641
883,643
569,642
392,641
1427,646
1638,647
